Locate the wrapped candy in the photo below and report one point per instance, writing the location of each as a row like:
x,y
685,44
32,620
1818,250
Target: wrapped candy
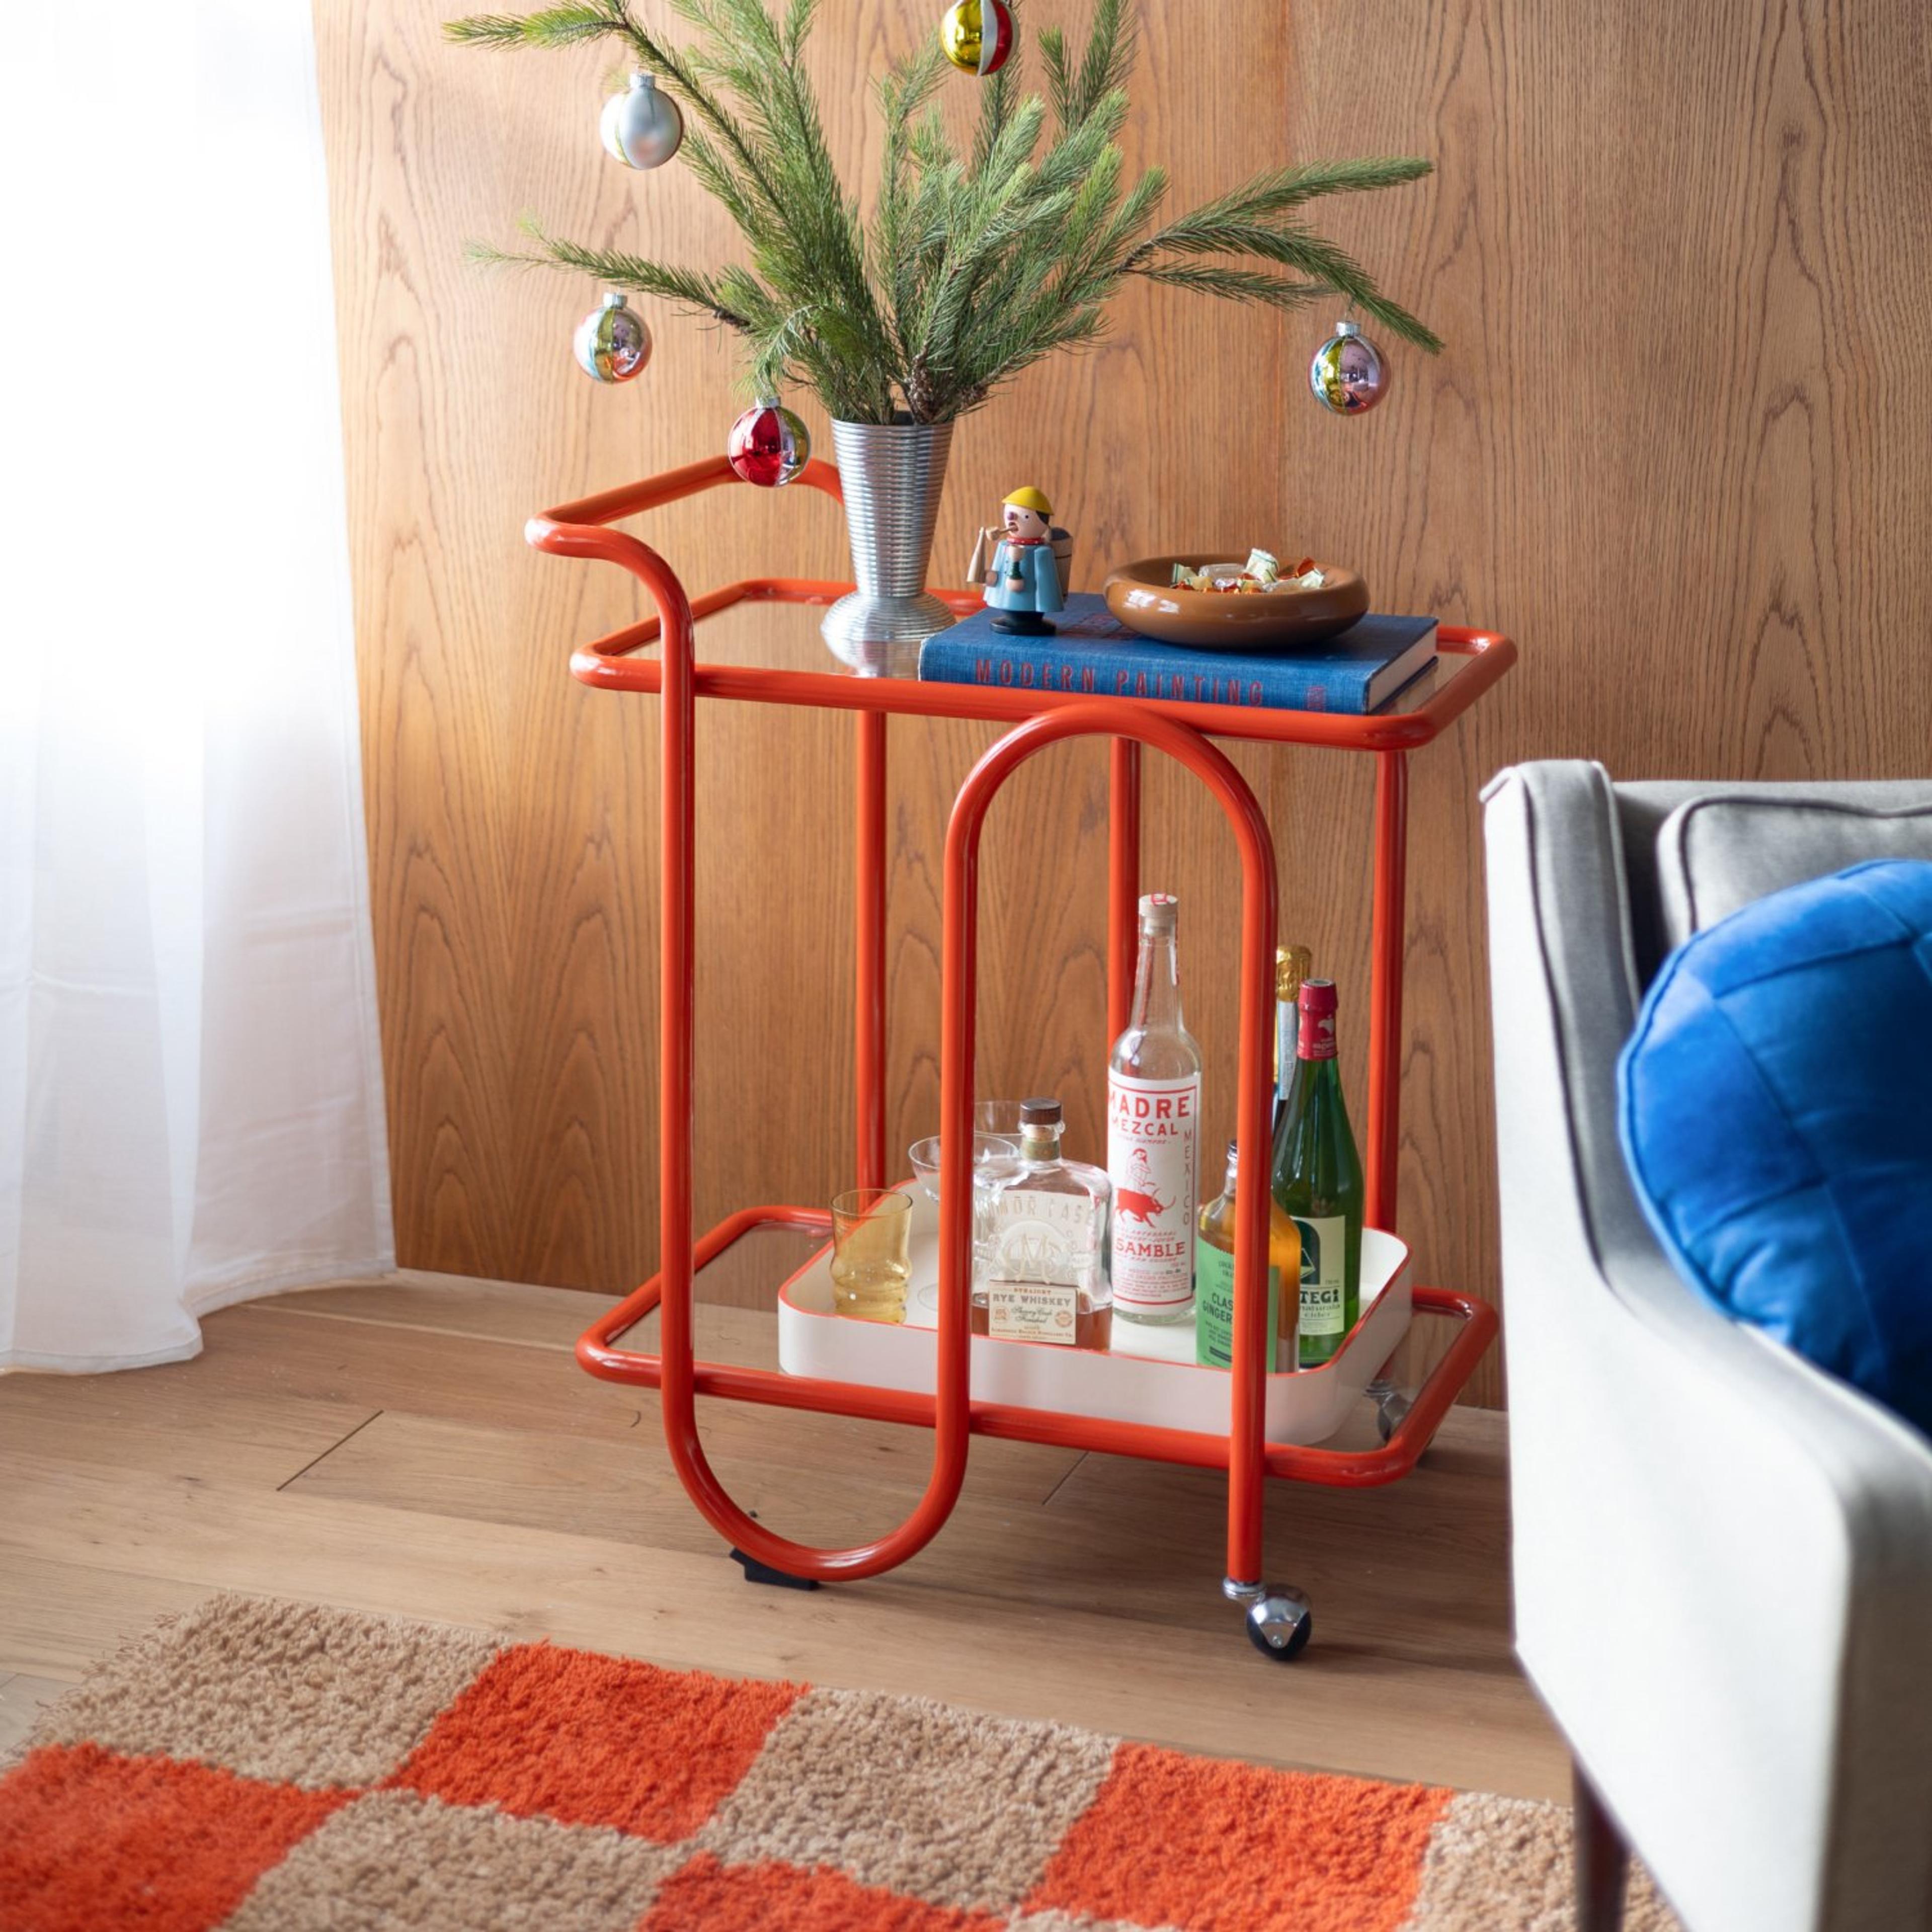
x,y
1262,573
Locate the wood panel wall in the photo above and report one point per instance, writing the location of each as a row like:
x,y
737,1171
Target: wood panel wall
x,y
1677,447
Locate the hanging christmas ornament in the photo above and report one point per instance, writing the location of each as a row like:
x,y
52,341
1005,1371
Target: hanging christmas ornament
x,y
643,128
1348,374
612,343
768,445
977,35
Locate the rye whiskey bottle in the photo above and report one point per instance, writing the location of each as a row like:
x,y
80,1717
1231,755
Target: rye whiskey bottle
x,y
1044,1278
1317,1179
1154,1117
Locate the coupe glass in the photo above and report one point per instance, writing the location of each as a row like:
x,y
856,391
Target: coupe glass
x,y
992,1153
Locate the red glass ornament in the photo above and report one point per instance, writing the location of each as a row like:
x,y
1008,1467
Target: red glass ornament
x,y
768,445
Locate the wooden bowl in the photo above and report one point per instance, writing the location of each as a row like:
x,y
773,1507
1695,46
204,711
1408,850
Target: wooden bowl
x,y
1143,597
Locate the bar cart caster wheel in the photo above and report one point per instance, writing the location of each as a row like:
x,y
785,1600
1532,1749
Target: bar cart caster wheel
x,y
1391,1406
756,1572
1280,1622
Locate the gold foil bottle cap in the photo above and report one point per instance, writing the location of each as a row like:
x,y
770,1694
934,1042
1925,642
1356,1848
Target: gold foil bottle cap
x,y
1292,964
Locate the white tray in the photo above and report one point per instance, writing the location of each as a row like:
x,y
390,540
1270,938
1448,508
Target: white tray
x,y
1149,1376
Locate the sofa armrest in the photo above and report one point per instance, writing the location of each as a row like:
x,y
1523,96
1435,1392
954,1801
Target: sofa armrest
x,y
1723,1558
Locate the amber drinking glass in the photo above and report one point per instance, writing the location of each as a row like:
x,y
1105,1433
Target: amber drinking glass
x,y
871,1253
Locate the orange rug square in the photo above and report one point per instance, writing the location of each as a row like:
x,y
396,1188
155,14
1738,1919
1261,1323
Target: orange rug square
x,y
1214,1847
589,1740
707,1896
89,1841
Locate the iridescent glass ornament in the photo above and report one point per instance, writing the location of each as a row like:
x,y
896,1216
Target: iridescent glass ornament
x,y
612,343
1348,374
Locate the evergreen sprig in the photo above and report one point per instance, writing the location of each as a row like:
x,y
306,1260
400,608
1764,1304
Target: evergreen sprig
x,y
978,260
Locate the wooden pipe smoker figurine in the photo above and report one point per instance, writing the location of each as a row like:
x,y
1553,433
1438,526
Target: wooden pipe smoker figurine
x,y
1022,580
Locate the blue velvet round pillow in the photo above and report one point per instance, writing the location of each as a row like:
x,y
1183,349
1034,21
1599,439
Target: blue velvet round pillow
x,y
1776,1111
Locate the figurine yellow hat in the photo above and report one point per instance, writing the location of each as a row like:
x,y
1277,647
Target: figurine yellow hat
x,y
1028,498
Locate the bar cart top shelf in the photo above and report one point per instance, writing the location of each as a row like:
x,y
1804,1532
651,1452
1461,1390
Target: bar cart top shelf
x,y
758,656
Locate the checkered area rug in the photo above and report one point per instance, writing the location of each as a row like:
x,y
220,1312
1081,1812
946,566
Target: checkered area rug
x,y
259,1766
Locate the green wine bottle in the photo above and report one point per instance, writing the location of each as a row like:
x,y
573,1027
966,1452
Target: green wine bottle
x,y
1318,1181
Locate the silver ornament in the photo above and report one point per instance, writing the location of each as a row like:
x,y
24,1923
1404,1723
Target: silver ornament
x,y
612,343
642,127
1348,374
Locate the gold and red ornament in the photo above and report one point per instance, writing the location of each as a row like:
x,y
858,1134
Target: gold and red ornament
x,y
612,343
768,445
642,126
1348,374
977,35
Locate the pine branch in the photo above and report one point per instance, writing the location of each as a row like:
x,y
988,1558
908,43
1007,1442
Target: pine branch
x,y
1284,188
565,26
1112,48
1232,284
797,27
1275,193
981,257
684,286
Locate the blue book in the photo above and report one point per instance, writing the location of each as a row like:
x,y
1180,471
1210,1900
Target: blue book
x,y
1093,654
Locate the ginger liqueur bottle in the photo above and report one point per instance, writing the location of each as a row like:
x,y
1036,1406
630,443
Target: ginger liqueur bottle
x,y
1318,1181
1214,1278
1154,1121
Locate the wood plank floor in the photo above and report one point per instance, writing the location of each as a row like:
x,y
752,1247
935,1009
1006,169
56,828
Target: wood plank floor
x,y
426,1445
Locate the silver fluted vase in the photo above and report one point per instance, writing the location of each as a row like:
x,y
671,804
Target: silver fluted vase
x,y
891,474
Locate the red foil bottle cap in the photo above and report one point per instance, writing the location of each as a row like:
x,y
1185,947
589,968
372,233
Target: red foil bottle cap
x,y
1317,999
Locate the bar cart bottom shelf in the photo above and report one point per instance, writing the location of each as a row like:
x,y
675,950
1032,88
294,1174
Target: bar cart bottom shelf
x,y
1149,1376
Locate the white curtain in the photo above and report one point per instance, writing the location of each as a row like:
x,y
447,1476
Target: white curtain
x,y
191,1091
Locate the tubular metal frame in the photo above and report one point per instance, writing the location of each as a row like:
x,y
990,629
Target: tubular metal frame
x,y
1040,718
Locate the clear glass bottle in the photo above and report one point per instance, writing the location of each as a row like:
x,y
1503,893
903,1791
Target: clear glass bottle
x,y
1153,1119
1214,1280
1044,1277
1317,1179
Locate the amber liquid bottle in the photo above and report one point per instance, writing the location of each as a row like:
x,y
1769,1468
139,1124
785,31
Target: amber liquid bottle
x,y
1317,1179
1214,1280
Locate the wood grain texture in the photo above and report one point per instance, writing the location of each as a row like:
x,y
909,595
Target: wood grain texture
x,y
1683,258
443,1457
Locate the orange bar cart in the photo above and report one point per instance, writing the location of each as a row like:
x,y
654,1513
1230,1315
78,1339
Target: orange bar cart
x,y
1278,1616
